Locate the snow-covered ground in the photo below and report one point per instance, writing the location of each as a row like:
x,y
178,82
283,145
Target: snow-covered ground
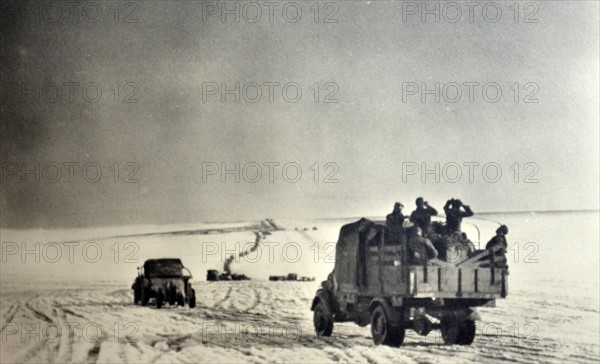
x,y
74,304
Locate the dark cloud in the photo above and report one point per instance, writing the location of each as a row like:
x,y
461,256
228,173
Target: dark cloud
x,y
164,59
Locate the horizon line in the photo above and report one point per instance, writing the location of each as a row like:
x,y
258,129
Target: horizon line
x,y
289,218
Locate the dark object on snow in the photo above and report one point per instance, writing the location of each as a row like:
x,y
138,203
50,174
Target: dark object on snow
x,y
214,275
291,277
164,281
239,277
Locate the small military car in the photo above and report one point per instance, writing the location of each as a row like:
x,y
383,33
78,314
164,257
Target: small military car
x,y
164,281
374,283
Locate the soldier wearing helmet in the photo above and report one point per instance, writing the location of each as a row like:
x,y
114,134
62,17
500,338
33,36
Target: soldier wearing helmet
x,y
421,217
393,223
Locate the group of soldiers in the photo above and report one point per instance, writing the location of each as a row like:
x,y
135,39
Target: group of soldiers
x,y
426,240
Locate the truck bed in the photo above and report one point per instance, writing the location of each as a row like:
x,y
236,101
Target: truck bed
x,y
471,278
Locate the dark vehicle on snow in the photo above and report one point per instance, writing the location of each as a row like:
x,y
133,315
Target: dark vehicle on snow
x,y
374,283
165,281
213,275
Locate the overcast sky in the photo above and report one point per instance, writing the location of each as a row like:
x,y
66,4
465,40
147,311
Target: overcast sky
x,y
367,62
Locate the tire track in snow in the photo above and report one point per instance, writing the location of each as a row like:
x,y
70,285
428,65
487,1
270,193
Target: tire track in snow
x,y
221,301
257,301
44,344
10,315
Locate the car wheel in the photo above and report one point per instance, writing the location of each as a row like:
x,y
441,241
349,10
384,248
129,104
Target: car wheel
x,y
145,296
382,330
322,320
136,295
172,294
192,300
180,300
160,297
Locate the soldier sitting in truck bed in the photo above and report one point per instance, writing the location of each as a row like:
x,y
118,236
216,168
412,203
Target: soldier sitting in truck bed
x,y
458,247
420,249
467,243
443,241
499,240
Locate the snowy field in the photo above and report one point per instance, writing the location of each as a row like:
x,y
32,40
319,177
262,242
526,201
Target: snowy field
x,y
68,299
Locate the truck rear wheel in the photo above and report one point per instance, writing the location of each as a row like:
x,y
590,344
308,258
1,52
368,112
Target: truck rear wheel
x,y
136,294
172,294
458,332
192,300
467,333
382,330
323,320
145,296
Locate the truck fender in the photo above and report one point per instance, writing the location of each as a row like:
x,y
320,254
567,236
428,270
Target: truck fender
x,y
322,296
474,316
460,314
392,314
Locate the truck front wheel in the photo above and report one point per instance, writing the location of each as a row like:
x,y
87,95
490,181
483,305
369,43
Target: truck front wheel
x,y
322,320
383,331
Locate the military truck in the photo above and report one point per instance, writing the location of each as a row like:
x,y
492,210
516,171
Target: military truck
x,y
164,280
374,283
